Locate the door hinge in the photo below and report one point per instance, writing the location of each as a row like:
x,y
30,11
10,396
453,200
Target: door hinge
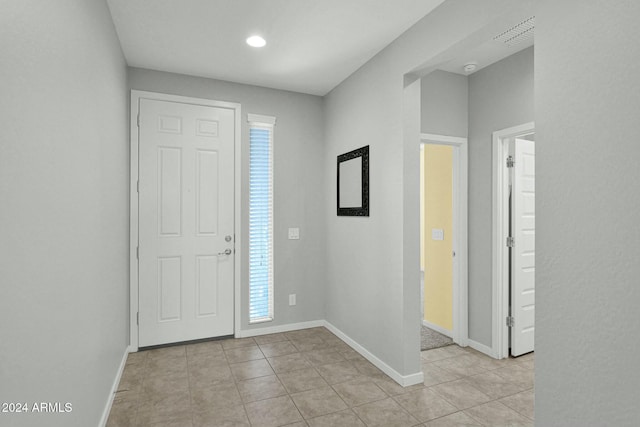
x,y
510,162
138,120
138,318
511,242
510,321
137,252
138,186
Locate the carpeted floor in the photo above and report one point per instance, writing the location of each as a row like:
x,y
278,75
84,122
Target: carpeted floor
x,y
430,339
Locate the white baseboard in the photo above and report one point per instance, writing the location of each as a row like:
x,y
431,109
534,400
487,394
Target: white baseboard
x,y
437,328
114,388
403,380
277,329
482,348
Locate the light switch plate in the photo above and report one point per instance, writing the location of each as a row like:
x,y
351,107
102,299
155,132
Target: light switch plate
x,y
437,234
292,299
294,233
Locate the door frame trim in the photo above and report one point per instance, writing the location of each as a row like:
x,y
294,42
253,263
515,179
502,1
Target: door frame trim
x,y
500,256
136,95
460,221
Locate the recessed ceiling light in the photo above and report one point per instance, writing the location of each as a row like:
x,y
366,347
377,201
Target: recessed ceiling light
x,y
470,67
256,41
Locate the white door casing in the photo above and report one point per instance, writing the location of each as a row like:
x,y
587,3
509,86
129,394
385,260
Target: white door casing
x,y
460,261
186,221
523,251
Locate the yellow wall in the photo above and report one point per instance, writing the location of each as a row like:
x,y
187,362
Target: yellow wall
x,y
436,256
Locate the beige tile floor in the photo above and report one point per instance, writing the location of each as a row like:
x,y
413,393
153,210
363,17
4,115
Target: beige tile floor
x,y
312,378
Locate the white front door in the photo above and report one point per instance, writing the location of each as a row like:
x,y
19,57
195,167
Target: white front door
x,y
186,222
523,264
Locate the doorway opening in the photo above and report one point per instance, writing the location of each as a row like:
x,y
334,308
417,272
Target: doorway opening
x,y
444,236
514,240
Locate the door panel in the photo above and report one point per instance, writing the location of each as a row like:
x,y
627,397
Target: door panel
x,y
207,192
169,288
523,252
170,191
207,285
186,204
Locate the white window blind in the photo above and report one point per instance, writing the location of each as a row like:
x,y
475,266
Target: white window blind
x,y
260,218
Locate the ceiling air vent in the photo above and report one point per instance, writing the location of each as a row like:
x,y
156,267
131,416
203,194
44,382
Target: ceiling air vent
x,y
519,33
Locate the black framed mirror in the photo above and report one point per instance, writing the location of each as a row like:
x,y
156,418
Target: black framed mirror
x,y
353,183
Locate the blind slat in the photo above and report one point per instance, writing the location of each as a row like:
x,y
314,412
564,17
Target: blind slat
x,y
260,223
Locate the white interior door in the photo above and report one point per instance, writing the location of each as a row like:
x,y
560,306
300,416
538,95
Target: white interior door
x,y
186,222
523,252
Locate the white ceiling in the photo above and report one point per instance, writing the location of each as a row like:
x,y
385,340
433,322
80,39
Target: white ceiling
x,y
519,36
484,55
312,45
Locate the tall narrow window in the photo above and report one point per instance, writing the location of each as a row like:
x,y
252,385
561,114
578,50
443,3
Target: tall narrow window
x,y
260,218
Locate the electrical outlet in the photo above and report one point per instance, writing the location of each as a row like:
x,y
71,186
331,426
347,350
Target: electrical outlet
x,y
294,233
292,299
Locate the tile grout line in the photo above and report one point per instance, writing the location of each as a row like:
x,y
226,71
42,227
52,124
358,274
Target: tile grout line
x,y
513,409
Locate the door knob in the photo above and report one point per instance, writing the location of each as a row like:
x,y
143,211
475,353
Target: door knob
x,y
226,252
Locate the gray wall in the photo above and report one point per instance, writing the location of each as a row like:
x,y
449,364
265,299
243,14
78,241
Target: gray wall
x,y
588,198
299,194
444,104
64,173
373,264
500,96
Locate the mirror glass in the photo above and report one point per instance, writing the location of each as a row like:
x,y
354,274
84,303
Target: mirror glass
x,y
351,183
